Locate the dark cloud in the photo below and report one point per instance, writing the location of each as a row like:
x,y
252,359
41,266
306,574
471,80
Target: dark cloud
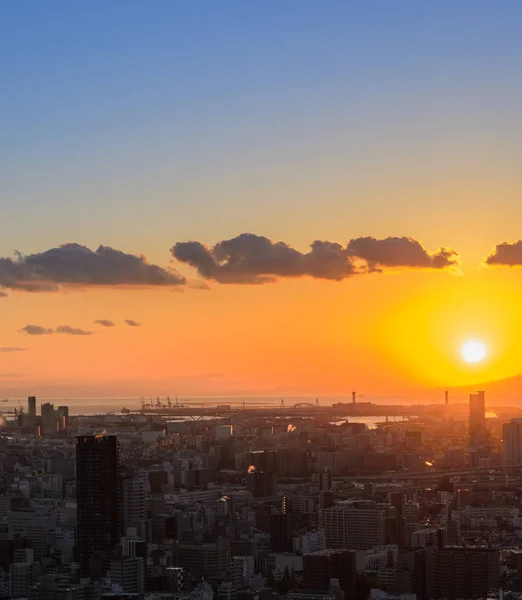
x,y
39,330
254,259
399,252
105,322
72,330
12,349
36,330
73,264
506,254
132,323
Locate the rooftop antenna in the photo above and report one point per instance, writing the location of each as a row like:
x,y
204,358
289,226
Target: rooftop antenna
x,y
446,397
354,395
317,402
282,405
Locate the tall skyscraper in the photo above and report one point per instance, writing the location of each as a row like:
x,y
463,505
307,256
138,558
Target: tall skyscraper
x,y
134,482
512,442
477,417
100,501
31,406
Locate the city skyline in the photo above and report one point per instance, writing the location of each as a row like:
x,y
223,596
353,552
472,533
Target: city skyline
x,y
327,198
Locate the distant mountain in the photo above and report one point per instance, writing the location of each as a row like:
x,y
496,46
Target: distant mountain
x,y
508,389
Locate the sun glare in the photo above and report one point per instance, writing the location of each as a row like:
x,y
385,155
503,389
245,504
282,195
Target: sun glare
x,y
473,351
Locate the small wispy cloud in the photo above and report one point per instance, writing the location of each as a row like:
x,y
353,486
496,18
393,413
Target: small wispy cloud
x,y
132,323
12,349
105,323
36,330
3,294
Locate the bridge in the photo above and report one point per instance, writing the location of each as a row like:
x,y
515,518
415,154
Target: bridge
x,y
432,474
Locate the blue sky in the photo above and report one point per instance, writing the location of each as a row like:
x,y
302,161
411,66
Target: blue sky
x,y
140,123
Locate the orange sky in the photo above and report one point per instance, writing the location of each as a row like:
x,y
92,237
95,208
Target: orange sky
x,y
376,333
140,129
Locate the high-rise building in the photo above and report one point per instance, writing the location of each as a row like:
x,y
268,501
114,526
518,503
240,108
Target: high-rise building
x,y
100,506
281,532
31,406
49,419
322,566
512,442
262,484
351,526
460,572
134,482
477,417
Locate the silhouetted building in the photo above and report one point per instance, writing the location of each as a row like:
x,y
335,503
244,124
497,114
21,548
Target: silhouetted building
x,y
512,442
465,572
281,533
49,423
31,406
321,566
477,417
262,484
100,502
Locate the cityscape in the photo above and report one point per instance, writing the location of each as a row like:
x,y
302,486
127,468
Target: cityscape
x,y
246,503
260,300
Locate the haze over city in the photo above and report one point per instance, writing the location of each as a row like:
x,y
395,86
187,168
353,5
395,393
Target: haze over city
x,y
260,199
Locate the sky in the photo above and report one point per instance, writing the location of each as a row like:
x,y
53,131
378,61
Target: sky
x,y
166,167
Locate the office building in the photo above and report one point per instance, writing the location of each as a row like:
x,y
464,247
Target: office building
x,y
262,484
281,532
322,566
477,418
21,578
129,572
134,483
100,506
352,526
460,572
512,442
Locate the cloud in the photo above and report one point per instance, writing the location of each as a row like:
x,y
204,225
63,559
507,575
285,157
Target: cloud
x,y
76,265
72,330
3,294
253,259
36,330
399,252
132,323
105,322
12,349
39,330
506,254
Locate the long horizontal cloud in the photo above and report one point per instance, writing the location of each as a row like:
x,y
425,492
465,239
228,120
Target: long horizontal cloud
x,y
506,254
12,349
250,258
39,330
73,264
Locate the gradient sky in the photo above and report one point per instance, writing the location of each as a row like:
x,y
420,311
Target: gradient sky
x,y
137,125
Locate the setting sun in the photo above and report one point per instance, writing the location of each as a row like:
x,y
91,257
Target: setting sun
x,y
473,351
